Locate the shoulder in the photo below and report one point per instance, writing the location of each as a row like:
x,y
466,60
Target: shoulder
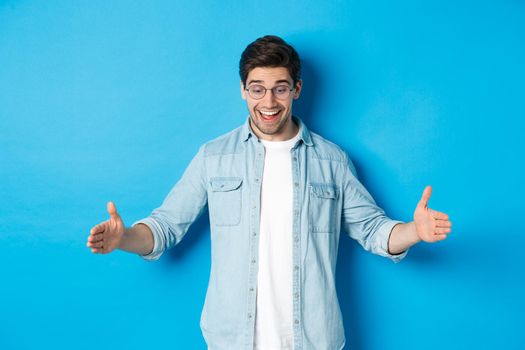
x,y
327,150
228,143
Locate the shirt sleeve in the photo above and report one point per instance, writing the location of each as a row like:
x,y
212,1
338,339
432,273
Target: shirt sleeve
x,y
183,205
362,219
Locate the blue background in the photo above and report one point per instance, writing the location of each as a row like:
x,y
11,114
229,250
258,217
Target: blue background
x,y
109,100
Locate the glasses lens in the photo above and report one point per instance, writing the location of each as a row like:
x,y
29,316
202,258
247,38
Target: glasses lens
x,y
256,91
281,91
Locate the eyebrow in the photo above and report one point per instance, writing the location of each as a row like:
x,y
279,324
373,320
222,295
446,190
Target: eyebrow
x,y
261,82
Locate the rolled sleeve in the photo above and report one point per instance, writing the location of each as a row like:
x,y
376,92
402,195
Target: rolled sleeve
x,y
383,236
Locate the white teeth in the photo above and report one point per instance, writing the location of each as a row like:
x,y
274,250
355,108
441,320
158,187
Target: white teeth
x,y
269,112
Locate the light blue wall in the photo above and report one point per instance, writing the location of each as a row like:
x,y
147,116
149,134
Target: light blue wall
x,y
109,100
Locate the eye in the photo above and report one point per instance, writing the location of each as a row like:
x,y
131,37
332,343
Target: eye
x,y
256,89
282,89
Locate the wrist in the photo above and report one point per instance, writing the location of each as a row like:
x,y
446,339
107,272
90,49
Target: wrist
x,y
122,239
413,235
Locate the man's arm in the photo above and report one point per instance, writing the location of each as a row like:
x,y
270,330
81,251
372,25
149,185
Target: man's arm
x,y
186,201
429,225
363,219
137,239
402,237
167,224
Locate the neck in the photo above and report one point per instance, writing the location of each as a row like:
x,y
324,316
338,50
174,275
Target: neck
x,y
289,131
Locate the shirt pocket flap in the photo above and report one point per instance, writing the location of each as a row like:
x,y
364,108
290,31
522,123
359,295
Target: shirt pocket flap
x,y
225,184
324,191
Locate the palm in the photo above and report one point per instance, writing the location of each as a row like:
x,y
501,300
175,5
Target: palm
x,y
112,233
431,225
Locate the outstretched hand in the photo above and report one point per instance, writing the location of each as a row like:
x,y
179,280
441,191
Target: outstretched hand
x,y
431,225
106,236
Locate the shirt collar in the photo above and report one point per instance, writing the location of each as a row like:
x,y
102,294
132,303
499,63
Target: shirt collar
x,y
304,133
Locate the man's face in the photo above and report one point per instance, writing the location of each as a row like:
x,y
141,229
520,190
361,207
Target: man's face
x,y
271,117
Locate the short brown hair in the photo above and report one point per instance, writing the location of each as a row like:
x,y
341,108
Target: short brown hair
x,y
270,51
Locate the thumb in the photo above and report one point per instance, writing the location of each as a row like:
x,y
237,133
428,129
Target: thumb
x,y
112,211
426,196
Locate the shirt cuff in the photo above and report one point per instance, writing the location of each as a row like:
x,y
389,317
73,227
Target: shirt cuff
x,y
384,235
157,239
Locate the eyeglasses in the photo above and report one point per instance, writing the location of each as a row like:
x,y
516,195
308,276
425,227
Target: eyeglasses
x,y
281,92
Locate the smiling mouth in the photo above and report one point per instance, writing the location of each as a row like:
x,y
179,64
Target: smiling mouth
x,y
269,116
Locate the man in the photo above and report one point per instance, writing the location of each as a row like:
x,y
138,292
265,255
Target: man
x,y
278,196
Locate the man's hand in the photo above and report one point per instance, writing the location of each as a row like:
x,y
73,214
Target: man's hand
x,y
431,225
106,236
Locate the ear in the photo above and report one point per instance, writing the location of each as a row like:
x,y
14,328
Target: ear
x,y
298,88
243,92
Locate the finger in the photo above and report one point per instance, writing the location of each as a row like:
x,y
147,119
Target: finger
x,y
97,229
442,231
427,192
98,244
97,250
95,237
443,223
438,215
440,238
112,210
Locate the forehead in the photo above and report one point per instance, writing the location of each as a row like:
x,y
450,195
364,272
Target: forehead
x,y
269,75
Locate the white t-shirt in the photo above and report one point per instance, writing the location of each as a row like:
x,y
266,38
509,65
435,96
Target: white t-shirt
x,y
273,322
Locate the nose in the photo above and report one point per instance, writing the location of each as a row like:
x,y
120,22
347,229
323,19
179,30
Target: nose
x,y
269,99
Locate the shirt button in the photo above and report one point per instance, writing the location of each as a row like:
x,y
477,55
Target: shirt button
x,y
296,184
250,316
255,234
296,267
295,159
296,321
296,295
253,261
296,240
256,180
251,289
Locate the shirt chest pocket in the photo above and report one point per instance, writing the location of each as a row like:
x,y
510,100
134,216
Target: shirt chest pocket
x,y
225,201
322,208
